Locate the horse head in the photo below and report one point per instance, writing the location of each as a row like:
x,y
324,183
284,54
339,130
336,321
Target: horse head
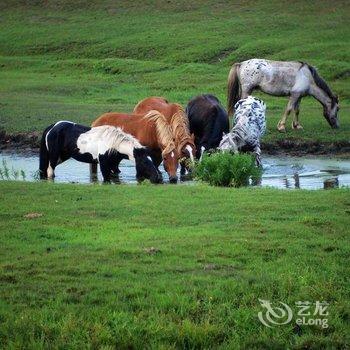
x,y
170,163
330,112
145,169
187,153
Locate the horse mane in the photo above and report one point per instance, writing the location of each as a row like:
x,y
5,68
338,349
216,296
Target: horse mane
x,y
113,137
164,131
321,83
180,125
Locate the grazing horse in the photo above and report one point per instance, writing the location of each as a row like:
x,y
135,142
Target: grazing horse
x,y
208,121
277,78
249,126
102,144
178,120
153,131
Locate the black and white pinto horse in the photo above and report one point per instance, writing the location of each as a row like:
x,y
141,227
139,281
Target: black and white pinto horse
x,y
103,144
277,78
208,120
249,126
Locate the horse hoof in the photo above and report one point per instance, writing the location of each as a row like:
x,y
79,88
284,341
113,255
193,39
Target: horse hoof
x,y
297,126
281,128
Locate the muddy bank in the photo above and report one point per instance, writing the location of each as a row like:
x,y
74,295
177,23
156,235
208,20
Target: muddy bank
x,y
298,147
22,141
30,141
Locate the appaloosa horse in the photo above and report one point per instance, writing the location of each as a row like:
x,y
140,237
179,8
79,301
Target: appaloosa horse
x,y
277,78
208,121
153,131
249,125
102,144
178,120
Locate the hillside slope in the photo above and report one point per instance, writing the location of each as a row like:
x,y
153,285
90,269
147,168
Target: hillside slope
x,y
75,61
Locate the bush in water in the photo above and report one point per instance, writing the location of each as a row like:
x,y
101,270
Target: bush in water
x,y
227,169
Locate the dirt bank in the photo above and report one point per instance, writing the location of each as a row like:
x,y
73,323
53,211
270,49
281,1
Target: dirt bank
x,y
30,141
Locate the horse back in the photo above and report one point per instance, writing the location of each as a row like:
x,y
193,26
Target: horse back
x,y
141,128
204,112
159,104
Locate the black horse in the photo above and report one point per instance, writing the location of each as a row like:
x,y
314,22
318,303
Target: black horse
x,y
208,122
105,145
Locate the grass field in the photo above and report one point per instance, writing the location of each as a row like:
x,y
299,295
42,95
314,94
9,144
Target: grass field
x,y
152,267
166,267
76,60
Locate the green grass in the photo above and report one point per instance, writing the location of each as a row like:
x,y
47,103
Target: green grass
x,y
166,266
148,267
64,60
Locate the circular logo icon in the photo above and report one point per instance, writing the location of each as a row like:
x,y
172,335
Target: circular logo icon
x,y
274,316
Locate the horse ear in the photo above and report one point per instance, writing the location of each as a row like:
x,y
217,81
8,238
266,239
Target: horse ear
x,y
192,137
223,134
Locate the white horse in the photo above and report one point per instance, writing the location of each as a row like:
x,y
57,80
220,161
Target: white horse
x,y
249,126
293,79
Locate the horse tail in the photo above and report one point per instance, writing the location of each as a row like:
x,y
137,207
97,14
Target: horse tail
x,y
44,154
233,88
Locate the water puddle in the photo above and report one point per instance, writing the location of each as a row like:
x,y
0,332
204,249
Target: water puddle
x,y
280,172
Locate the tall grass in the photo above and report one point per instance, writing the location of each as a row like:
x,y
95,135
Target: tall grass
x,y
11,174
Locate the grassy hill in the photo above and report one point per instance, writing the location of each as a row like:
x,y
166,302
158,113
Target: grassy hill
x,y
76,60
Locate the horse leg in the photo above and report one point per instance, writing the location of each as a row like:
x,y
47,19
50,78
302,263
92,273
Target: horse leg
x,y
257,152
53,161
118,160
93,172
295,124
105,168
281,125
156,159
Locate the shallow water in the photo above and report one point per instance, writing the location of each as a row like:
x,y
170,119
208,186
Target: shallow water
x,y
279,171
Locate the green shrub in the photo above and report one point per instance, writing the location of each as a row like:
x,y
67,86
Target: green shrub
x,y
227,169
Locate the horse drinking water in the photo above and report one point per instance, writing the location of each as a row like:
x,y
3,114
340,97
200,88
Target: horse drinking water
x,y
277,78
249,125
103,145
153,131
178,120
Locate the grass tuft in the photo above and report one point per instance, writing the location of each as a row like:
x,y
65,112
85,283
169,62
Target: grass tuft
x,y
227,169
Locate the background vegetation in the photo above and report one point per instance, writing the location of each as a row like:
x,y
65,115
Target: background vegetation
x,y
76,60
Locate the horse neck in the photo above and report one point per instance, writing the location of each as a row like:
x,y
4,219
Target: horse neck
x,y
231,138
321,96
238,134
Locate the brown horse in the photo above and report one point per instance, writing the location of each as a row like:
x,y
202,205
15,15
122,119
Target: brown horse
x,y
153,131
178,120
